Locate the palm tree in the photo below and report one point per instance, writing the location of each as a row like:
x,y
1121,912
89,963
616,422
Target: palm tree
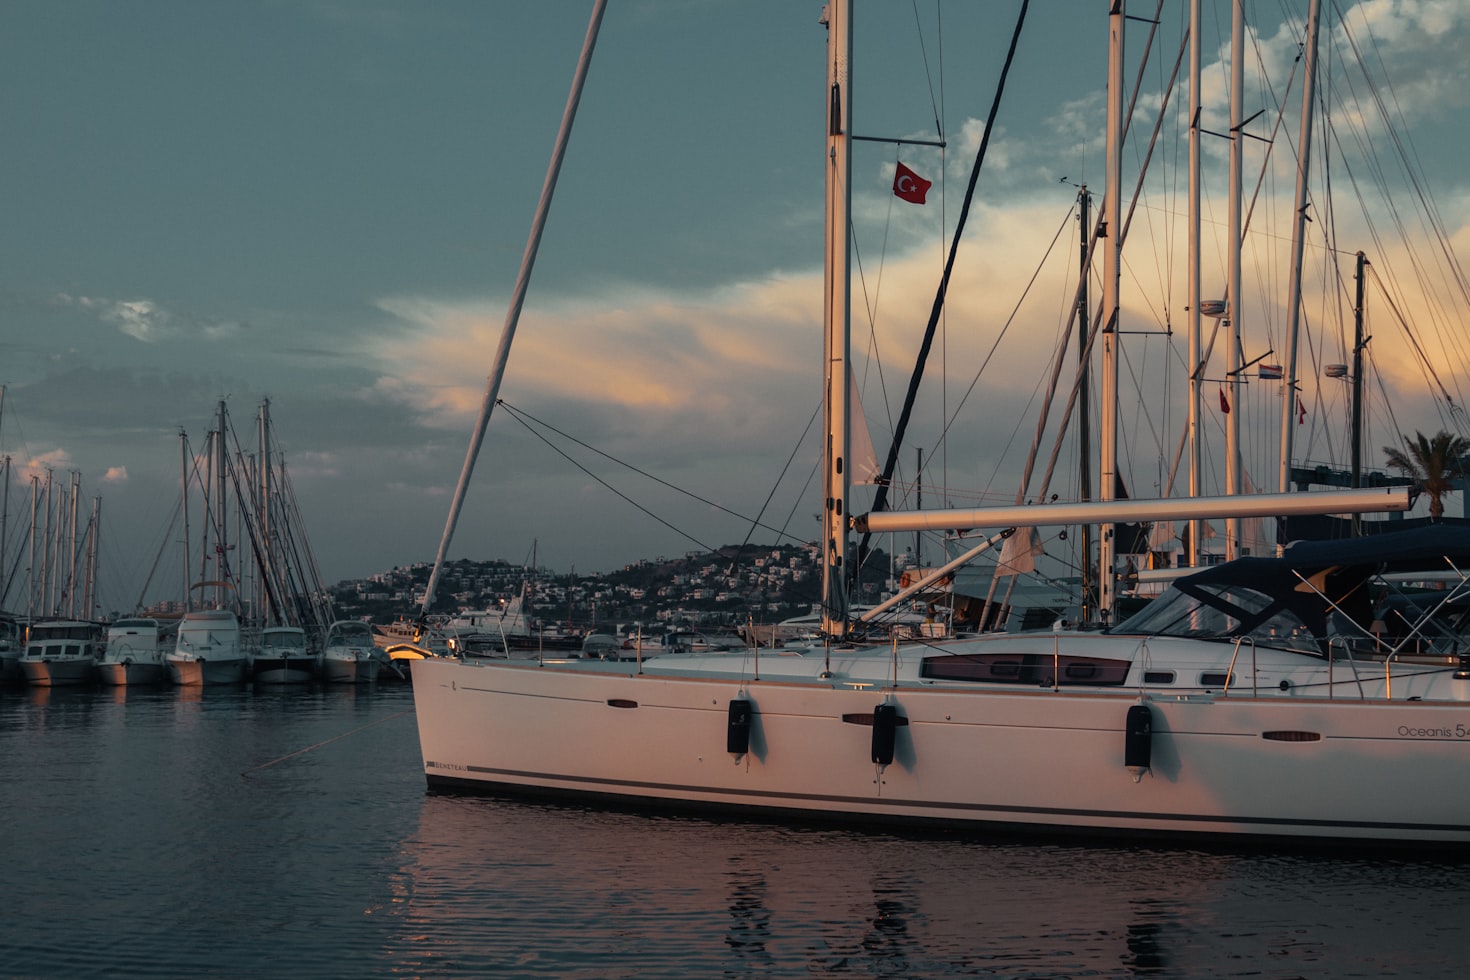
x,y
1433,463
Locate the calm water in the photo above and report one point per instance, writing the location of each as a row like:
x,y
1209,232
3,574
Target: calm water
x,y
176,834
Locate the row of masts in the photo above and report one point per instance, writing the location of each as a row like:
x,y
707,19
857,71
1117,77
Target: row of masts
x,y
837,518
60,549
252,554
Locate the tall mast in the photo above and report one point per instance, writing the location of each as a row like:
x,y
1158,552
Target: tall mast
x,y
1084,398
1112,261
184,508
1298,242
518,299
1358,344
836,311
1196,366
1232,327
268,571
221,527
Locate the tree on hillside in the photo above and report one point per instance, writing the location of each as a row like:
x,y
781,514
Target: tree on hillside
x,y
1433,463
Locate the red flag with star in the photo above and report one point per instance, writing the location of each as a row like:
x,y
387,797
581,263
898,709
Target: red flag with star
x,y
910,186
1224,402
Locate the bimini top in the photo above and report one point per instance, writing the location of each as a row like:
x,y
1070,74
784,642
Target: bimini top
x,y
1317,593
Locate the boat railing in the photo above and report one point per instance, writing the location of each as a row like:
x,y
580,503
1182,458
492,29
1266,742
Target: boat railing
x,y
1234,656
1339,649
1344,643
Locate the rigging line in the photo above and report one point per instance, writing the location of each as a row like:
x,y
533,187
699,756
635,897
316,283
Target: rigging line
x,y
1092,244
781,476
522,417
880,499
1010,321
158,558
1430,210
1409,332
326,741
616,492
928,75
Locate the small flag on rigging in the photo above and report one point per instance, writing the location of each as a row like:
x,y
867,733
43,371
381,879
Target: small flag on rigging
x,y
1224,402
909,185
1301,411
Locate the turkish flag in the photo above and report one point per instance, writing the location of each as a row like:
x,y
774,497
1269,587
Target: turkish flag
x,y
909,185
1224,402
1301,412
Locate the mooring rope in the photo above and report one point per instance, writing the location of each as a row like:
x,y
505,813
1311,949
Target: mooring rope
x,y
334,738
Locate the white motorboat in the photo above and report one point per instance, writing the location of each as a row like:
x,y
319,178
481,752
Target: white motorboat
x,y
349,655
211,650
285,657
62,653
137,652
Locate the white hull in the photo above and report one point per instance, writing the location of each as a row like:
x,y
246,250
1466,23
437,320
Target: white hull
x,y
1018,759
194,672
60,672
354,670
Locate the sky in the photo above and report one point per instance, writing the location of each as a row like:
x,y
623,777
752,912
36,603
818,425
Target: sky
x,y
324,203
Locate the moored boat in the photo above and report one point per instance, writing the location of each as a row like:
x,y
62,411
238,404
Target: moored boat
x,y
137,652
285,657
1257,699
211,650
62,653
349,655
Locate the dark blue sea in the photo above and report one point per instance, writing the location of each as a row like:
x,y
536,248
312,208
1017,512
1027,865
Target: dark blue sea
x,y
288,833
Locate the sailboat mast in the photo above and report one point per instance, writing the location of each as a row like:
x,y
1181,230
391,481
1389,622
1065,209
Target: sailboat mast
x,y
1232,327
836,315
268,612
1298,242
221,526
1112,264
184,509
1196,365
518,299
1084,397
1358,344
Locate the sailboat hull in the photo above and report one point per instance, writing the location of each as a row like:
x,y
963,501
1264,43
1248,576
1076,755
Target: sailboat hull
x,y
1037,761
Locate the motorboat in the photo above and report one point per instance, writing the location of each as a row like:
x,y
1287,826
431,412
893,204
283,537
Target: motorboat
x,y
137,652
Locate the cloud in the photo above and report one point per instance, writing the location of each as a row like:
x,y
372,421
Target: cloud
x,y
115,474
147,321
55,461
648,360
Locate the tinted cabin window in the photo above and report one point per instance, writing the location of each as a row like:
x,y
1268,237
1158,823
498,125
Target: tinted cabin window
x,y
1034,669
1159,677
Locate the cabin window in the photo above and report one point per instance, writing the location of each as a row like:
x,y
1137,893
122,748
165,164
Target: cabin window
x,y
1038,669
1158,677
1215,679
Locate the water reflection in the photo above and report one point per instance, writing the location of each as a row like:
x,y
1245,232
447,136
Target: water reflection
x,y
291,832
539,890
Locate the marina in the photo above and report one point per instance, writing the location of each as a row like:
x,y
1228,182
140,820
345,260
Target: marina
x,y
1184,695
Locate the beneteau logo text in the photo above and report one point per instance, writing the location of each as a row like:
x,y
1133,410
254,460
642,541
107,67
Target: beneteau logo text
x,y
446,765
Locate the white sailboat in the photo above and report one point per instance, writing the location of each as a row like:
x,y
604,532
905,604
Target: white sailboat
x,y
1315,697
